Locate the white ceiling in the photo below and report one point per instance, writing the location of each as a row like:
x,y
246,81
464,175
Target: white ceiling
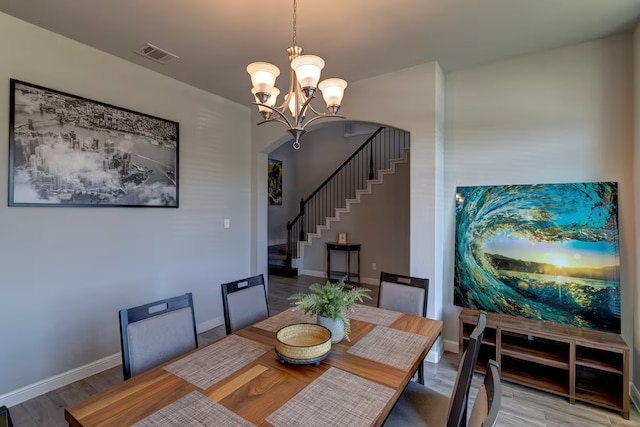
x,y
216,39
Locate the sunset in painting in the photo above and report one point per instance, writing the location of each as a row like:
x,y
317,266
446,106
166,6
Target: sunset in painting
x,y
547,252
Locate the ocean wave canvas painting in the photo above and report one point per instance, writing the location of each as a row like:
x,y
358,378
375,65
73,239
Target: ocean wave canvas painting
x,y
548,252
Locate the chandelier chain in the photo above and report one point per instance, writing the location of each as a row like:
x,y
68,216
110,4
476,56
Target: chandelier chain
x,y
304,72
295,8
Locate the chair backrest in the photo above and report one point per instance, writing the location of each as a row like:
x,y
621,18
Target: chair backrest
x,y
403,293
5,417
244,302
460,395
153,333
487,404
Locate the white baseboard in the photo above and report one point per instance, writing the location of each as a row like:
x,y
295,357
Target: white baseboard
x,y
313,273
209,324
41,387
370,281
436,352
30,391
635,396
323,274
451,346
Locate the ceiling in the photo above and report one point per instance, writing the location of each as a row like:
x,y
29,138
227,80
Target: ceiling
x,y
216,39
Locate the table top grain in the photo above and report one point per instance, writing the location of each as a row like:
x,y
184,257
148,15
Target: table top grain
x,y
257,389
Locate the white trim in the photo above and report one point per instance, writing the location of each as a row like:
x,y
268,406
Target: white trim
x,y
49,384
635,396
41,387
370,281
436,352
451,346
209,324
313,273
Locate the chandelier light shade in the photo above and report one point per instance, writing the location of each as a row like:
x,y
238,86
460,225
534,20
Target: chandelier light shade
x,y
269,103
332,92
304,75
263,78
308,69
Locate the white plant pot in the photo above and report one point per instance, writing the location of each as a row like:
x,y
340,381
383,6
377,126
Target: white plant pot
x,y
336,326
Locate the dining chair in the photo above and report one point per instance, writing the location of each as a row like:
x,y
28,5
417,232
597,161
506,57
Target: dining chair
x,y
406,294
153,333
484,412
424,406
5,417
244,302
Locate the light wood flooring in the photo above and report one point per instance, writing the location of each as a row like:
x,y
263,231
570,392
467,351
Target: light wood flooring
x,y
520,406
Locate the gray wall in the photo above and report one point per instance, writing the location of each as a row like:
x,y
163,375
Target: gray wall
x,y
67,271
636,181
380,223
564,115
322,151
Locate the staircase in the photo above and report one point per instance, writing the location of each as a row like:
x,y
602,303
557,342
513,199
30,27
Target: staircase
x,y
366,167
278,261
369,189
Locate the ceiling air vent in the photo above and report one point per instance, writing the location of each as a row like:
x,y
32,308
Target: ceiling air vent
x,y
156,54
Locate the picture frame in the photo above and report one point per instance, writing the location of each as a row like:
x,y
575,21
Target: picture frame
x,y
541,251
275,182
342,238
66,150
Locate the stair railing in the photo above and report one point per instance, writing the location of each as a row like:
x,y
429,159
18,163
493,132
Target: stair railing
x,y
375,154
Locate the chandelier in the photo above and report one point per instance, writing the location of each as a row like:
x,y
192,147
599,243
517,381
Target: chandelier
x,y
303,82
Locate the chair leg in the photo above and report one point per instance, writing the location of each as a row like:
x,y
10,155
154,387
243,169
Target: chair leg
x,y
421,373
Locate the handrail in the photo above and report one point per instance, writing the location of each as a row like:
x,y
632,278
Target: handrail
x,y
350,177
355,153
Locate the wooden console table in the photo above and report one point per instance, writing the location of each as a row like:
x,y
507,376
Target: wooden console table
x,y
335,275
580,364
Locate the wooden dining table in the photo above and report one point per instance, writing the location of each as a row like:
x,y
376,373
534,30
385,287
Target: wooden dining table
x,y
239,380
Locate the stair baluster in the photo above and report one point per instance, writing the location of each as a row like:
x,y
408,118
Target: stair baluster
x,y
384,145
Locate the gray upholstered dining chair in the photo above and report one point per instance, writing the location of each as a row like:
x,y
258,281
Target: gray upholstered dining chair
x,y
244,302
153,333
487,404
5,417
422,406
406,294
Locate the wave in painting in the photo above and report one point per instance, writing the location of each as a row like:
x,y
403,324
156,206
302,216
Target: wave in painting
x,y
546,252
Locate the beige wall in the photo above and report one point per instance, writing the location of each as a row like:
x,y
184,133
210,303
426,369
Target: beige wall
x,y
323,149
379,222
67,271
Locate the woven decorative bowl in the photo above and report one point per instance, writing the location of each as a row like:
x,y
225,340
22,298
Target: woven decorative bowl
x,y
303,343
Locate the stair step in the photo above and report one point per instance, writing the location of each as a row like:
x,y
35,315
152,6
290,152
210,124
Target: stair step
x,y
367,190
282,271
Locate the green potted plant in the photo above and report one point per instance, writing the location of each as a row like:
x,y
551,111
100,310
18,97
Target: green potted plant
x,y
329,302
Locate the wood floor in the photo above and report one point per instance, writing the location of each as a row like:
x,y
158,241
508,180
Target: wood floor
x,y
520,406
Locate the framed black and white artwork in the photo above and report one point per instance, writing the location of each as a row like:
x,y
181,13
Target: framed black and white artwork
x,y
66,150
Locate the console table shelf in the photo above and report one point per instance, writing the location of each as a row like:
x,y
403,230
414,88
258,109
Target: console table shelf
x,y
580,364
347,273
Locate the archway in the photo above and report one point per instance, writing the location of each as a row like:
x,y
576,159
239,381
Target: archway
x,y
411,99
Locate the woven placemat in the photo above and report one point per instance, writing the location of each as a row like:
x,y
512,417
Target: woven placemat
x,y
375,315
194,409
390,346
211,364
336,398
286,318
